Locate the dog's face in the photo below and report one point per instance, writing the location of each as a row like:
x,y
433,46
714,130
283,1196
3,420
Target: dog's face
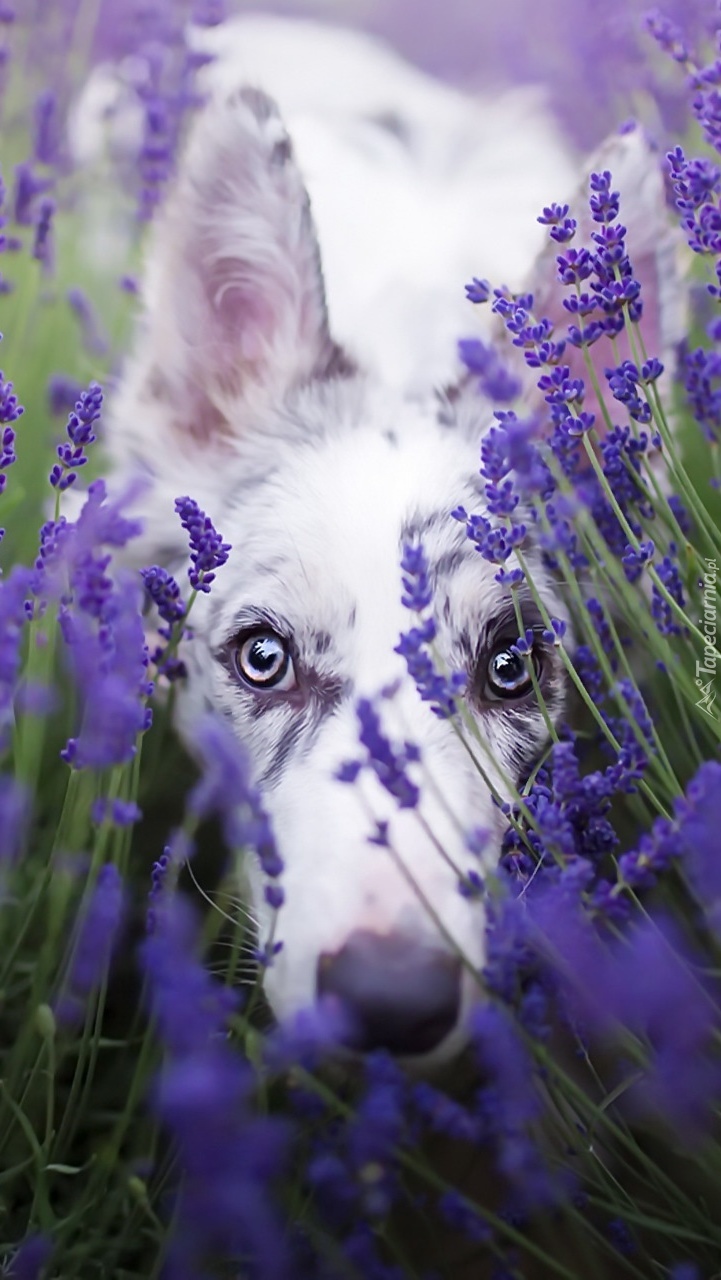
x,y
303,621
318,477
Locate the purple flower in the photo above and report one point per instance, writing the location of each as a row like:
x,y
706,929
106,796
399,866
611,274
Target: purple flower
x,y
698,818
105,646
165,594
225,788
209,13
464,1217
14,590
94,341
556,634
417,589
603,202
621,1237
510,1104
47,128
43,242
97,934
562,227
207,549
156,895
435,688
478,290
668,35
123,813
28,186
10,407
701,373
389,764
228,1157
31,1258
79,427
63,393
10,411
663,614
495,381
445,1115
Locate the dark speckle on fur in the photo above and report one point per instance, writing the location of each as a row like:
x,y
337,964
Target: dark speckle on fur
x,y
418,526
390,122
447,564
322,696
157,387
282,152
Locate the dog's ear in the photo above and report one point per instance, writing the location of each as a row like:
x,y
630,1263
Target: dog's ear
x,y
235,312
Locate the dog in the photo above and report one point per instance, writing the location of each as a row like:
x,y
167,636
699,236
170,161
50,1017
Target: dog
x,y
295,370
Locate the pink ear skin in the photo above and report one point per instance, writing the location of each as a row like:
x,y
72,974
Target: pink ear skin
x,y
235,305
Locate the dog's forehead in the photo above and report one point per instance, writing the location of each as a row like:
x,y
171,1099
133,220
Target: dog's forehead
x,y
325,528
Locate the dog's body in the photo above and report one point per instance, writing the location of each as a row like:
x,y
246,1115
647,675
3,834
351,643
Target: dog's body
x,y
302,408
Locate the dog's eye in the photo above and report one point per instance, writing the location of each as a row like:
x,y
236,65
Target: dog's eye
x,y
507,674
262,659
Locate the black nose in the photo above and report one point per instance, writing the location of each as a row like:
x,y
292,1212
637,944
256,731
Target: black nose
x,y
398,994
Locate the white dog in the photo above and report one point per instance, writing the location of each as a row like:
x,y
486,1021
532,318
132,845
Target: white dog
x,y
292,372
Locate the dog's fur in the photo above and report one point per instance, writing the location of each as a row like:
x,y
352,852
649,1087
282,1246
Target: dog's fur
x,y
297,385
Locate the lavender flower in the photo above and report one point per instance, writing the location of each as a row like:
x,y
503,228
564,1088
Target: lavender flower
x,y
389,764
510,1106
698,821
228,1157
10,411
47,128
94,341
97,935
225,788
207,549
43,241
110,664
435,688
63,392
104,640
122,813
478,290
28,187
31,1258
80,426
14,590
495,381
156,895
165,594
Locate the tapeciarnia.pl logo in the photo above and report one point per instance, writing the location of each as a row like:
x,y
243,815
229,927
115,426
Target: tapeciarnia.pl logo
x,y
706,670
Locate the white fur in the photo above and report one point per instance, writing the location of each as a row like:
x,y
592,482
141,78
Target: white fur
x,y
236,394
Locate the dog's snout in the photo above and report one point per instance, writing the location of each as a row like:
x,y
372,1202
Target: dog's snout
x,y
398,994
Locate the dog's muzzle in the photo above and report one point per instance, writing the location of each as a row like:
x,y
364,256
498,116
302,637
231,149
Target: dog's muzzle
x,y
396,993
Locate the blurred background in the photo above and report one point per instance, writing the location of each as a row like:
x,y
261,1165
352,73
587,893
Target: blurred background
x,y
595,59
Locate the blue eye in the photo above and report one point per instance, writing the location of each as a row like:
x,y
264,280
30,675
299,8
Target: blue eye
x,y
262,659
507,674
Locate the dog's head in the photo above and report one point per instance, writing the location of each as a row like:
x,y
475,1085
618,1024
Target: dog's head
x,y
318,477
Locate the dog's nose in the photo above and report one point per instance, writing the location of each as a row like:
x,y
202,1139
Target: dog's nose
x,y
398,994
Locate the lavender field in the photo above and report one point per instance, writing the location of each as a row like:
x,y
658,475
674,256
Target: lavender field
x,y
154,1119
